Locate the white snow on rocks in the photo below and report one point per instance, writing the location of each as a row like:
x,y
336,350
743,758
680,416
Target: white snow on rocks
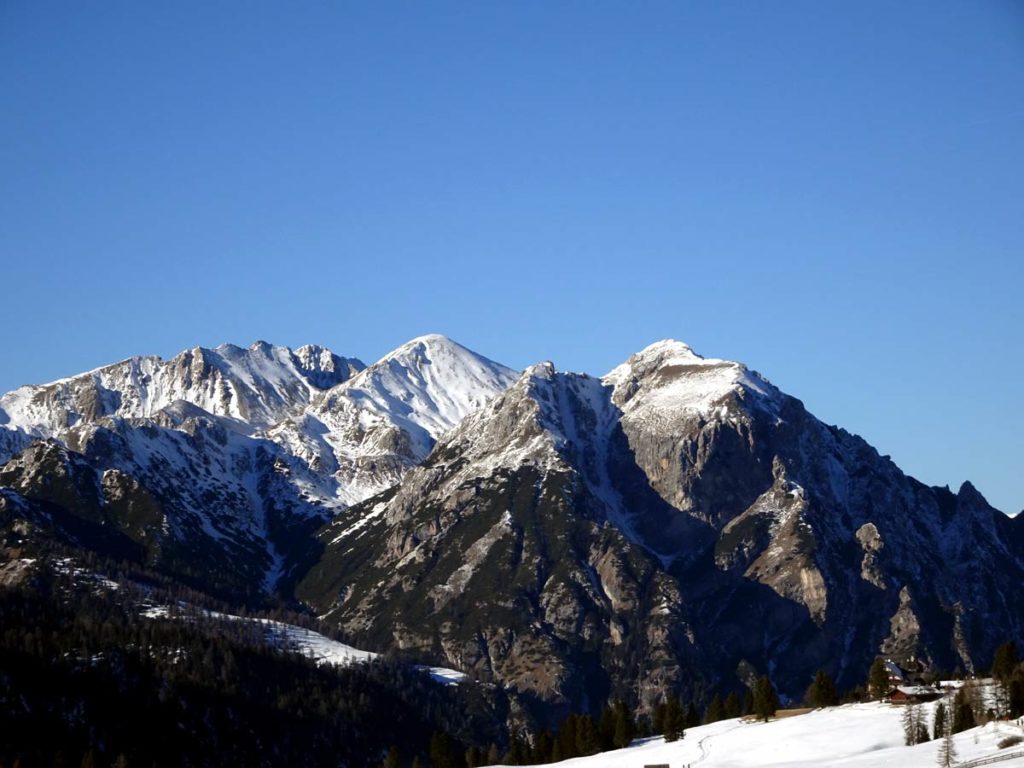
x,y
668,377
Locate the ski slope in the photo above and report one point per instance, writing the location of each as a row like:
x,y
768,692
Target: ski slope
x,y
851,736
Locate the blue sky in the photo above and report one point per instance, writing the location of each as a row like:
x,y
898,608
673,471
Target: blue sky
x,y
830,192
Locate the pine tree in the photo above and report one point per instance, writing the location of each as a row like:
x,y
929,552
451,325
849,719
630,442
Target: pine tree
x,y
588,741
442,751
607,727
922,732
567,737
822,692
907,721
878,679
963,714
765,701
1015,694
658,717
542,747
493,754
914,729
714,712
89,759
556,754
674,721
732,707
692,716
939,728
518,753
947,751
1005,662
625,728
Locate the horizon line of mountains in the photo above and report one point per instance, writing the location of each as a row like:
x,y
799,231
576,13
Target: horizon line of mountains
x,y
678,524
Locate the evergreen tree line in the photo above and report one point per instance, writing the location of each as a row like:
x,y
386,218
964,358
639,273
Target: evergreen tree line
x,y
580,735
85,681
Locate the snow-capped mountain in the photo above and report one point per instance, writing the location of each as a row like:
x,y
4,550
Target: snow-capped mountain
x,y
255,387
678,523
239,453
370,430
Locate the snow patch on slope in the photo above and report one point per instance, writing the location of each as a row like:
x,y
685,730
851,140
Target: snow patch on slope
x,y
320,648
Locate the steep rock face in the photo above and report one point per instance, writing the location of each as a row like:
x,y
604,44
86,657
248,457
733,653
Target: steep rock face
x,y
814,514
721,529
871,542
689,422
510,553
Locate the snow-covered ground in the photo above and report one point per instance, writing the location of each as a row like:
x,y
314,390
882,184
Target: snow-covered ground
x,y
327,651
851,736
320,648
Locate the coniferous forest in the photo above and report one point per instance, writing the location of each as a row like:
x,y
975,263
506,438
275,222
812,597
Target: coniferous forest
x,y
86,680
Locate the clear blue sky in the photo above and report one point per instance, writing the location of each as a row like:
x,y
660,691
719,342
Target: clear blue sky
x,y
831,192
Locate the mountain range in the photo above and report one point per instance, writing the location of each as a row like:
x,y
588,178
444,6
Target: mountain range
x,y
679,524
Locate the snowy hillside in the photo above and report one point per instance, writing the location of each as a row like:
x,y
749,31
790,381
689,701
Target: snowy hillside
x,y
308,642
851,736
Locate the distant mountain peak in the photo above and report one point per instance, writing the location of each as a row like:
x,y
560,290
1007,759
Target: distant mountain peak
x,y
426,386
670,375
669,349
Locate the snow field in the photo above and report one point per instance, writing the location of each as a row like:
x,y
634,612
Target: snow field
x,y
850,736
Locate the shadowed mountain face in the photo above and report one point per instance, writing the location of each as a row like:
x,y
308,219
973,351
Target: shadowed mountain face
x,y
679,523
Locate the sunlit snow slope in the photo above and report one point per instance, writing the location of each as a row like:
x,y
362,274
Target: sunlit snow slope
x,y
852,736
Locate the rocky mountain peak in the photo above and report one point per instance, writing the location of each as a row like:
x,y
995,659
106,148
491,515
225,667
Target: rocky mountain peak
x,y
427,386
324,369
670,375
544,371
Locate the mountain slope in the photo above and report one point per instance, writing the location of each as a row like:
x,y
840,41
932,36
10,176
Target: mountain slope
x,y
255,387
233,456
680,523
372,428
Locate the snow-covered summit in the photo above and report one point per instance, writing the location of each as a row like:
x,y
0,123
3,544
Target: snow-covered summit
x,y
669,376
369,430
429,383
258,386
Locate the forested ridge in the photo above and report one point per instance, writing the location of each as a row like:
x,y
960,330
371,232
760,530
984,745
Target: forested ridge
x,y
86,680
